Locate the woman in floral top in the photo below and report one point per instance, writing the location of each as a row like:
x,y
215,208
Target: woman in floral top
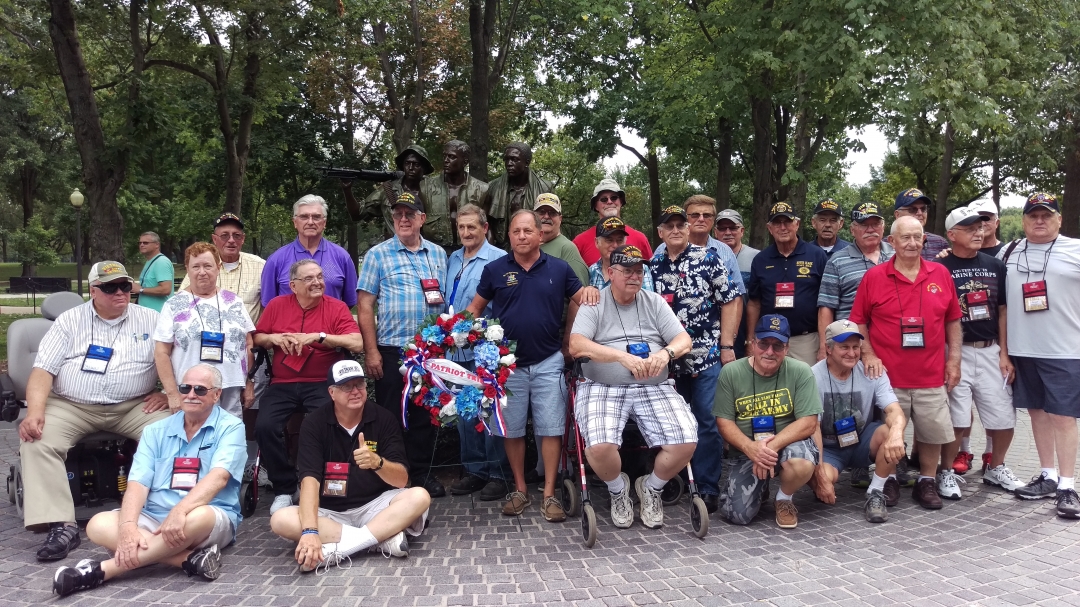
x,y
205,324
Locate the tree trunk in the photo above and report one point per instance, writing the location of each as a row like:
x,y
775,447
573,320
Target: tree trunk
x,y
724,149
480,32
28,185
101,179
761,112
935,221
1070,198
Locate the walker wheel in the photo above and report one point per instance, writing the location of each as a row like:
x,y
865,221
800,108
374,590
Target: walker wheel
x,y
673,491
249,500
588,525
699,517
571,497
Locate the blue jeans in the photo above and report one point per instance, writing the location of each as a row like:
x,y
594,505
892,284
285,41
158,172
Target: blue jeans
x,y
699,390
482,454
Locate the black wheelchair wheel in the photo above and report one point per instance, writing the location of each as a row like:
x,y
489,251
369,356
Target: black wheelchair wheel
x,y
248,500
588,525
673,491
699,517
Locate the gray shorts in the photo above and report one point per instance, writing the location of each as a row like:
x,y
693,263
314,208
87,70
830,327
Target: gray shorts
x,y
358,517
744,490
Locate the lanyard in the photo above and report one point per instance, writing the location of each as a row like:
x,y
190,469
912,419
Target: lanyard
x,y
119,329
148,266
754,376
457,279
1026,268
851,390
409,256
202,442
217,301
896,286
641,336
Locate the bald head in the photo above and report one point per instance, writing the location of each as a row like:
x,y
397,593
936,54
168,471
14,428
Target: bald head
x,y
906,224
907,238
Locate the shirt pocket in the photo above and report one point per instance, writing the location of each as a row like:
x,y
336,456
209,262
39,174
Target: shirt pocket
x,y
163,467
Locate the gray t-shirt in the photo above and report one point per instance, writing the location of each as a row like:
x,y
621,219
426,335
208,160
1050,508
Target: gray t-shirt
x,y
649,319
854,396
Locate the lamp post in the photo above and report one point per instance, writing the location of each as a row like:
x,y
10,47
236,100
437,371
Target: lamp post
x,y
77,199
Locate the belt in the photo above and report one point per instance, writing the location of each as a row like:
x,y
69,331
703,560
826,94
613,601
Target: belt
x,y
981,344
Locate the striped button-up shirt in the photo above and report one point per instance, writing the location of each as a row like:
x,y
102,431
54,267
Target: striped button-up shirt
x,y
392,273
130,373
245,280
842,277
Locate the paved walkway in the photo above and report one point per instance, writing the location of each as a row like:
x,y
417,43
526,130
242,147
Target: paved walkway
x,y
987,549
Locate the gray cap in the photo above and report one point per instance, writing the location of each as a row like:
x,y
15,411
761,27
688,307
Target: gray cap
x,y
731,215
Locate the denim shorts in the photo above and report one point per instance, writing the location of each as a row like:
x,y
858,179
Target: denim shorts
x,y
855,456
539,387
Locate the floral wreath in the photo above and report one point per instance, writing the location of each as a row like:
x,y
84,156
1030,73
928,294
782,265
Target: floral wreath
x,y
477,397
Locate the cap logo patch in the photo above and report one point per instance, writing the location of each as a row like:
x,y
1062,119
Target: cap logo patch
x,y
913,193
406,198
673,209
613,223
830,205
110,268
775,324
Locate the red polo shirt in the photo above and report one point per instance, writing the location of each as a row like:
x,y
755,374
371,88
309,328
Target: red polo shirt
x,y
586,244
284,315
884,296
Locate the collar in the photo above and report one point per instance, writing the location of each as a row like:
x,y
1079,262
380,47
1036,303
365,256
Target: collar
x,y
401,247
94,311
175,425
800,248
485,253
367,416
924,271
543,258
300,248
853,250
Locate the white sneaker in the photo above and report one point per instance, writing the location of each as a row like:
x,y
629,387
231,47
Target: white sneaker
x,y
1002,477
947,486
652,507
331,556
622,507
280,501
397,546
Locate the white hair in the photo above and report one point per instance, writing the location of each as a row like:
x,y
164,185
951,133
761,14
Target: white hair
x,y
215,375
308,200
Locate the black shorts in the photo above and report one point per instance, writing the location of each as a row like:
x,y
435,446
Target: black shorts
x,y
1047,384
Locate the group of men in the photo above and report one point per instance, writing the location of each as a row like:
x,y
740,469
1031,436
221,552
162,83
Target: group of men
x,y
806,358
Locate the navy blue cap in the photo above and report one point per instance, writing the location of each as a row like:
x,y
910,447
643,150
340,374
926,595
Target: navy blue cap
x,y
909,197
1041,200
773,325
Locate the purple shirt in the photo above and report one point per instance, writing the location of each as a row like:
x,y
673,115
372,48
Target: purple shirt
x,y
337,268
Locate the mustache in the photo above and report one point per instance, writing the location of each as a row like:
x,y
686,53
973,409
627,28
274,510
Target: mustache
x,y
547,222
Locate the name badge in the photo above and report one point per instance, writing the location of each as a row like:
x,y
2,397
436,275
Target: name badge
x,y
911,332
764,427
978,305
847,432
212,348
669,298
432,293
97,359
335,479
640,349
785,295
185,473
1035,296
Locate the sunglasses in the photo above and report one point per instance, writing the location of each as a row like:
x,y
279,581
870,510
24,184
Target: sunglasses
x,y
199,390
110,288
775,346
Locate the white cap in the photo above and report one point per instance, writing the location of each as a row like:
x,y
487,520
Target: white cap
x,y
963,216
984,205
343,371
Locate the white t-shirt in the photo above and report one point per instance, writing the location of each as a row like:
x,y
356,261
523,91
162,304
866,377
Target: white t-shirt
x,y
181,324
1052,333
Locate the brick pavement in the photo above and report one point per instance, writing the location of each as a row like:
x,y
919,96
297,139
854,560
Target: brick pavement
x,y
987,549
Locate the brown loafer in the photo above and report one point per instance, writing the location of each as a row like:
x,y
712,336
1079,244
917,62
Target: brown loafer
x,y
552,510
787,515
516,503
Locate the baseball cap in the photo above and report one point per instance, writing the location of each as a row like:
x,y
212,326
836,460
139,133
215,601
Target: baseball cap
x,y
984,206
1041,200
672,211
828,206
773,325
731,215
864,211
963,216
627,256
911,196
107,271
343,371
782,209
228,218
841,330
548,200
408,200
610,225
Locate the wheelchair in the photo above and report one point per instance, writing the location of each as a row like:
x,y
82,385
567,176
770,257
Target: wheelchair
x,y
97,465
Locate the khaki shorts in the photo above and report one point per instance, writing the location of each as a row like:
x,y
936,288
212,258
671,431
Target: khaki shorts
x,y
804,348
928,409
222,534
358,517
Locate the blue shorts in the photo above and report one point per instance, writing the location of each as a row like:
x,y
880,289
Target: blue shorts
x,y
855,456
539,387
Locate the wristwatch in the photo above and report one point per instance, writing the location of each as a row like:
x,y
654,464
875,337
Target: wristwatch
x,y
381,462
322,337
670,353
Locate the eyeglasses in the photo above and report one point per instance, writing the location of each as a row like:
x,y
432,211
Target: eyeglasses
x,y
775,346
310,217
110,288
609,199
639,273
728,228
675,228
547,212
403,215
310,279
199,390
916,209
696,216
142,242
226,236
352,386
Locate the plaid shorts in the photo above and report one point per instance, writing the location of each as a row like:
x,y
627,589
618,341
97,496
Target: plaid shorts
x,y
662,415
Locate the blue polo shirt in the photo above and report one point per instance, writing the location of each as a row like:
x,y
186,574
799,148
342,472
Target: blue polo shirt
x,y
220,443
529,304
803,267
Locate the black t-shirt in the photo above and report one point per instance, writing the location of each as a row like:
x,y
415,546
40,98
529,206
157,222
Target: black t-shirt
x,y
978,273
322,440
993,251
